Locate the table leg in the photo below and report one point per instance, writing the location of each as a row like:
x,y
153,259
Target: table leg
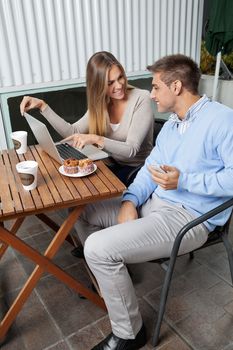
x,y
49,222
43,263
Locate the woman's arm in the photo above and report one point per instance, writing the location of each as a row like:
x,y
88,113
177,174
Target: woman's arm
x,y
29,102
64,128
60,125
140,124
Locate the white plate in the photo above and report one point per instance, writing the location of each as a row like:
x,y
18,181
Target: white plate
x,y
61,171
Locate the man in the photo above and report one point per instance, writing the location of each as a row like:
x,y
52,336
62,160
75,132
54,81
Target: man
x,y
189,171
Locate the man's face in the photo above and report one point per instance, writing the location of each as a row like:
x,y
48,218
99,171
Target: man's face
x,y
162,95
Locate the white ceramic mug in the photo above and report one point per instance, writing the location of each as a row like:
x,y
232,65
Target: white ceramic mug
x,y
19,139
28,174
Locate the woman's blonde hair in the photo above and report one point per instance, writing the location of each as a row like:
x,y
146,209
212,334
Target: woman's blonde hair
x,y
98,68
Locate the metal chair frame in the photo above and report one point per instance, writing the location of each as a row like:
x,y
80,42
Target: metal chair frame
x,y
216,236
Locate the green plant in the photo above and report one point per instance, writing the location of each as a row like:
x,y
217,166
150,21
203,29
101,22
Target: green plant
x,y
228,60
207,61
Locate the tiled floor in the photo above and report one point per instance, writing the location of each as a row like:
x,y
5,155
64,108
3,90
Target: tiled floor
x,y
199,313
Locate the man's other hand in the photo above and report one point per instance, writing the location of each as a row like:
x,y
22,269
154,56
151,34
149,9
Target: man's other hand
x,y
167,180
127,212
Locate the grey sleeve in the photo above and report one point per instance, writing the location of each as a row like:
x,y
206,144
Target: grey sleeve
x,y
140,124
64,128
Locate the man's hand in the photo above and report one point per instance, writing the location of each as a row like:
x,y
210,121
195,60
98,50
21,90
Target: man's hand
x,y
80,140
127,212
167,180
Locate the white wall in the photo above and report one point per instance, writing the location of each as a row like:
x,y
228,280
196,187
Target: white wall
x,y
224,91
47,42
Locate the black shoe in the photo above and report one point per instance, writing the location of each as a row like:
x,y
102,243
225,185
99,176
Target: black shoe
x,y
112,342
78,252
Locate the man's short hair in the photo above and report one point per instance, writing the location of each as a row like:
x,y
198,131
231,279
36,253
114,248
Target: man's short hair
x,y
178,67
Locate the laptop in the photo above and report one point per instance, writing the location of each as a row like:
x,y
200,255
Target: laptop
x,y
61,151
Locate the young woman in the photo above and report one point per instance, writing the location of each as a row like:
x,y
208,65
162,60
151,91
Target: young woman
x,y
119,118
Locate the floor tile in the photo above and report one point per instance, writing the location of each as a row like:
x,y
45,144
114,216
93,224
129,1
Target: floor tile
x,y
207,336
199,311
146,277
59,346
65,306
229,308
175,344
86,338
36,329
12,274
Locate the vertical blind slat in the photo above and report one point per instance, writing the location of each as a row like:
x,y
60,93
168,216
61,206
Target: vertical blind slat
x,y
51,40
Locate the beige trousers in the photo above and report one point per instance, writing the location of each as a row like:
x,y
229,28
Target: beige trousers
x,y
110,246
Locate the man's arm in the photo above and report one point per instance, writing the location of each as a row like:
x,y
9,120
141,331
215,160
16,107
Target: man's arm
x,y
127,212
143,185
216,182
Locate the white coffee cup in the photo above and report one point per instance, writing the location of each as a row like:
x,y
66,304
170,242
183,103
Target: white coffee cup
x,y
19,139
28,174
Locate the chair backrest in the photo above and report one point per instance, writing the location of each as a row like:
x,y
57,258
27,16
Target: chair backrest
x,y
158,124
216,236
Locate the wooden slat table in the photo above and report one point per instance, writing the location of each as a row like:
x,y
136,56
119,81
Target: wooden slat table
x,y
54,191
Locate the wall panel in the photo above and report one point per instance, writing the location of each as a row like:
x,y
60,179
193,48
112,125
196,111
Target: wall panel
x,y
50,41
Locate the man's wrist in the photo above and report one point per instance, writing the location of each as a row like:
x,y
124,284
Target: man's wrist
x,y
128,203
129,197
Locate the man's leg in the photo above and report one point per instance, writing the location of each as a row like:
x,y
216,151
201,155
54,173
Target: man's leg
x,y
108,251
97,216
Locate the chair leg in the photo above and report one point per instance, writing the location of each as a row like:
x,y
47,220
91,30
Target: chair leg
x,y
168,276
163,298
229,253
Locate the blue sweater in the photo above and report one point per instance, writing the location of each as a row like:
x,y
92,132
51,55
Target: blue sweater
x,y
204,156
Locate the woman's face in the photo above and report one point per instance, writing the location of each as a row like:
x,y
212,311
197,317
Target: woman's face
x,y
116,84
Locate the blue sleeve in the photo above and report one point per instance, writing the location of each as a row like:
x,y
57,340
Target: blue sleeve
x,y
217,183
143,186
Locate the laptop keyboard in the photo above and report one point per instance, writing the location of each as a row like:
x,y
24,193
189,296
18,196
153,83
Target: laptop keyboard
x,y
66,151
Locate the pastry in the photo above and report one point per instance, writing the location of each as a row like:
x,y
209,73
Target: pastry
x,y
70,166
86,166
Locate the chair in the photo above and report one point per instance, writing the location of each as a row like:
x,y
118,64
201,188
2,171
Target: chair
x,y
158,124
220,234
